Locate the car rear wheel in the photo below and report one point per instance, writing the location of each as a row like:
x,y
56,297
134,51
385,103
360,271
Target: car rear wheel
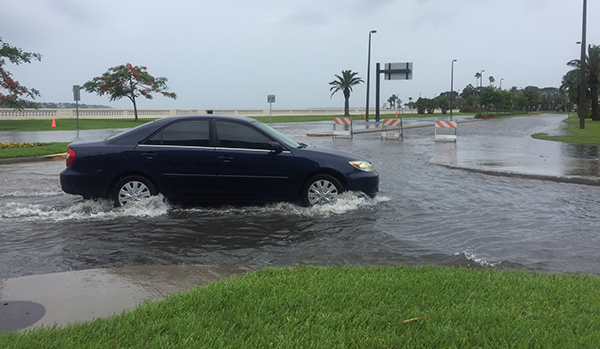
x,y
321,189
132,188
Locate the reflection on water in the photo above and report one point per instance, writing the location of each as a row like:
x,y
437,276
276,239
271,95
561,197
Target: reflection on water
x,y
581,159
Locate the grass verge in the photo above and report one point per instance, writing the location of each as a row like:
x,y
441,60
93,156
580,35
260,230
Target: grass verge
x,y
40,149
352,307
26,125
589,135
67,124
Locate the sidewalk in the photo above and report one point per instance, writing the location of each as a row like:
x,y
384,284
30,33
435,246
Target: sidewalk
x,y
62,298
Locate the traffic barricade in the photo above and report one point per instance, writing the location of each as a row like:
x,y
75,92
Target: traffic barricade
x,y
342,127
392,129
449,132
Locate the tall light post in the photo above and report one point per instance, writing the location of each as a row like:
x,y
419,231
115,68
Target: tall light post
x,y
501,83
581,106
369,74
452,87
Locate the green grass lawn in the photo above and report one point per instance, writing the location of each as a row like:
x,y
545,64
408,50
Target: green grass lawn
x,y
351,307
589,135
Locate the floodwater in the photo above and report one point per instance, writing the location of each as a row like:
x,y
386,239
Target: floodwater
x,y
424,214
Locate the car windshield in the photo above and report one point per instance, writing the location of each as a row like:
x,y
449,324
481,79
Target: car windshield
x,y
278,135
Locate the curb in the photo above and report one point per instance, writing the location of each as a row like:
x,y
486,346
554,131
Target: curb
x,y
595,181
52,157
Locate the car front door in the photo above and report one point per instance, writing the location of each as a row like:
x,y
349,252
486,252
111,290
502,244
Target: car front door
x,y
248,169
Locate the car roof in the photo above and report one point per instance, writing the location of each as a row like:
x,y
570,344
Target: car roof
x,y
141,132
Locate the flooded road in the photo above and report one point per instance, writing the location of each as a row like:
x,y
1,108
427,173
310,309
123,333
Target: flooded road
x,y
424,214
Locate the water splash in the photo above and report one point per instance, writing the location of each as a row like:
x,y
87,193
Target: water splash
x,y
103,210
346,202
474,258
94,210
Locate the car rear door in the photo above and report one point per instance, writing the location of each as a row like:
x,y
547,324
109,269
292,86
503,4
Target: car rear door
x,y
247,167
180,157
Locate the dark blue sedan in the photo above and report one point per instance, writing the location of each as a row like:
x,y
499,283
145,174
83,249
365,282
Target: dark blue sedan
x,y
212,159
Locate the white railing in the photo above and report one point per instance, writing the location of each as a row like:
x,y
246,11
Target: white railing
x,y
6,114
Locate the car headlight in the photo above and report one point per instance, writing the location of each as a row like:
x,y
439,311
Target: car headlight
x,y
362,165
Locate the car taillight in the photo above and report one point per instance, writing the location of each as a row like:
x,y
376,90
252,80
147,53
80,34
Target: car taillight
x,y
70,156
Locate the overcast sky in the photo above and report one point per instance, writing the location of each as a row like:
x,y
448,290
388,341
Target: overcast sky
x,y
223,54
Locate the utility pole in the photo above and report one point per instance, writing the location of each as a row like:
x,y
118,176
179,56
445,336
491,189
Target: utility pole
x,y
582,63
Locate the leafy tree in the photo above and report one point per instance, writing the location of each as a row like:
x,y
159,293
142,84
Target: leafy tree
x,y
443,103
344,83
503,100
16,93
421,105
128,81
488,97
469,90
522,103
533,95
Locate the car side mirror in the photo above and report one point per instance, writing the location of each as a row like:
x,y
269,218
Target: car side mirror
x,y
275,147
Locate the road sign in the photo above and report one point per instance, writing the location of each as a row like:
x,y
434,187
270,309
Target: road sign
x,y
270,98
392,71
397,71
76,95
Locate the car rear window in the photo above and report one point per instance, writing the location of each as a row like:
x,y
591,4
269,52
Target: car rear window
x,y
191,133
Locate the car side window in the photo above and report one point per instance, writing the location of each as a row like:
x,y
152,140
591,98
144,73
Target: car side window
x,y
193,133
234,135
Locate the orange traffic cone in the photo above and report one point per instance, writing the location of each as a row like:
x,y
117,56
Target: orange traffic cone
x,y
53,123
396,114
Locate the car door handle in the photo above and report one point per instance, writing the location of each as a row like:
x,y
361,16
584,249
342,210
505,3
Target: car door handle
x,y
149,156
225,158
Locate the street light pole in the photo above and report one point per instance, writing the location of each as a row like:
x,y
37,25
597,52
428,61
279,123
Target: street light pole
x,y
368,75
452,87
581,106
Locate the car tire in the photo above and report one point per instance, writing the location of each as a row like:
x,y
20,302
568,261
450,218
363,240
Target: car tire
x,y
321,189
132,188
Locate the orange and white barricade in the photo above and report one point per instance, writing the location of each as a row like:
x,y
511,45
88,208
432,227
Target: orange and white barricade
x,y
450,130
391,124
342,127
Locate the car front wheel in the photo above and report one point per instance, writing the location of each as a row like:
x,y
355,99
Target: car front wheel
x,y
132,188
321,189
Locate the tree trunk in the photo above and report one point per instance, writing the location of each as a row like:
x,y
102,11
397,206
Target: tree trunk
x,y
595,112
346,102
134,108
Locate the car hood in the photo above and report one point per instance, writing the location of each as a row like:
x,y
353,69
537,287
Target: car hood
x,y
317,151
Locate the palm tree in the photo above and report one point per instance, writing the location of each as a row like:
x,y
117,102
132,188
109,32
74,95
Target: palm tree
x,y
345,83
392,101
571,79
593,69
477,76
492,80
